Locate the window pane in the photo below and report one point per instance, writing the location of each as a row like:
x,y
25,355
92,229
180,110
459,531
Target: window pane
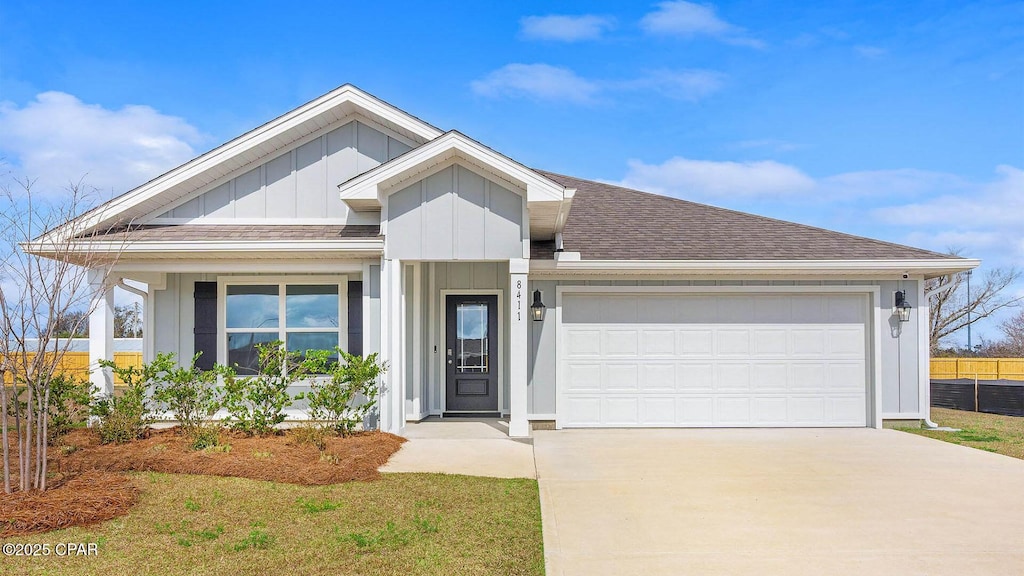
x,y
252,307
242,350
312,306
472,353
302,341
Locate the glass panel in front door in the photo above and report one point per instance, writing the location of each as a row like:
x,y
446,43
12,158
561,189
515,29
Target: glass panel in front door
x,y
471,345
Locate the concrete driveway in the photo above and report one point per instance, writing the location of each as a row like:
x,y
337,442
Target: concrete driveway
x,y
845,501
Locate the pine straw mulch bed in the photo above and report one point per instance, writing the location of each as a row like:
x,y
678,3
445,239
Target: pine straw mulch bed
x,y
89,485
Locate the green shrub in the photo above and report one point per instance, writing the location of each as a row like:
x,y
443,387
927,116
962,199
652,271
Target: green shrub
x,y
193,396
256,404
69,404
125,418
349,393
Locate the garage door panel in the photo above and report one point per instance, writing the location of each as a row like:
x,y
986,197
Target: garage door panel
x,y
770,410
691,377
847,410
732,411
658,410
846,342
621,410
584,411
659,377
769,342
695,411
620,343
845,376
730,360
696,342
807,409
581,377
732,377
620,378
770,378
581,343
657,342
805,376
731,342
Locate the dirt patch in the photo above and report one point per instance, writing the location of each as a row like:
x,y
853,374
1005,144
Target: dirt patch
x,y
275,458
88,484
90,497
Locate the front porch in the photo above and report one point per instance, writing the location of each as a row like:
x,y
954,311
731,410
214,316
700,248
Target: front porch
x,y
456,337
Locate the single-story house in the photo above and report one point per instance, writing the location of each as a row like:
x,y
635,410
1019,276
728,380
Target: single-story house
x,y
490,287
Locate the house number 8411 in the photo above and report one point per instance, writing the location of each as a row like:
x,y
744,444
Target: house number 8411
x,y
519,300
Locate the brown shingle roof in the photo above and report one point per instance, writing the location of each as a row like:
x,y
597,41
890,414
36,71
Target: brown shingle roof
x,y
613,223
200,232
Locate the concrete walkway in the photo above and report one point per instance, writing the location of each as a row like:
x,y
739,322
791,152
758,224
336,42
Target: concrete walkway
x,y
463,446
847,501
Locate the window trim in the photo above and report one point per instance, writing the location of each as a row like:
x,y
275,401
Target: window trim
x,y
282,330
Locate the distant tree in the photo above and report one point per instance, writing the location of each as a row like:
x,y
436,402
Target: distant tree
x,y
74,324
1013,343
44,291
128,321
952,309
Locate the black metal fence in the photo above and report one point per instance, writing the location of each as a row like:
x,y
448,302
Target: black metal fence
x,y
1004,397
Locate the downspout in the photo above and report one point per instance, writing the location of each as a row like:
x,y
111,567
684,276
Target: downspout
x,y
927,298
145,297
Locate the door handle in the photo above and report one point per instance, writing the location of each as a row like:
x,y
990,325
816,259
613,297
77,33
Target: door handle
x,y
449,361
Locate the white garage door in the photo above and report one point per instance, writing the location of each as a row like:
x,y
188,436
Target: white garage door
x,y
713,360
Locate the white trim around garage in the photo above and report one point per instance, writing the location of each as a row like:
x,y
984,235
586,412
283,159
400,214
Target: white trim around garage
x,y
873,365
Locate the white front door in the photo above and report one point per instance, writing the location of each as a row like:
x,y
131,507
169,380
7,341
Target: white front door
x,y
734,360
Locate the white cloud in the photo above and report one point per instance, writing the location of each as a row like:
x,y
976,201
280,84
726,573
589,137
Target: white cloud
x,y
992,206
59,139
687,19
682,84
553,83
890,185
565,28
870,52
691,179
537,81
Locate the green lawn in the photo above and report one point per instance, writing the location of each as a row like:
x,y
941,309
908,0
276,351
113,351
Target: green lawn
x,y
401,524
991,432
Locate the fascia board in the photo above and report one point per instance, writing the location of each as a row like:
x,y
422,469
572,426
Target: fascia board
x,y
113,208
925,267
367,186
205,246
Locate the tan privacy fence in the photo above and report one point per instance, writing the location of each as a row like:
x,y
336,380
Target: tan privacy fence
x,y
77,363
980,368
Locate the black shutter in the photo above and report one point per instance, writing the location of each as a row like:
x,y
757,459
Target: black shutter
x,y
355,318
206,324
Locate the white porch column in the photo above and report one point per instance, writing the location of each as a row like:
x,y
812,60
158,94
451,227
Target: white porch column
x,y
101,333
519,319
391,345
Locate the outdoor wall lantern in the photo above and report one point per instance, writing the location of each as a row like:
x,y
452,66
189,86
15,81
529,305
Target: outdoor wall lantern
x,y
902,308
537,309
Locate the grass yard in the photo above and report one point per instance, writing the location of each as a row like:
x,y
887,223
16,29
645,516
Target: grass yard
x,y
991,432
400,524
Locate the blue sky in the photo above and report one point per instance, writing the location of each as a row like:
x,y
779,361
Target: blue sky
x,y
897,120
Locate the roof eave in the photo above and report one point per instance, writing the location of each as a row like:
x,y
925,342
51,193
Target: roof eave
x,y
927,268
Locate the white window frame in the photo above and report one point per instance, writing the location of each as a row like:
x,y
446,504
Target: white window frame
x,y
282,330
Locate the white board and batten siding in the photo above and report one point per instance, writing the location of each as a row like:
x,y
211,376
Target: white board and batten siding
x,y
709,360
455,214
300,184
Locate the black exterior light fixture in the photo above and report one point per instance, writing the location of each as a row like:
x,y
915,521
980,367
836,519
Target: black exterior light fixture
x,y
537,309
902,308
